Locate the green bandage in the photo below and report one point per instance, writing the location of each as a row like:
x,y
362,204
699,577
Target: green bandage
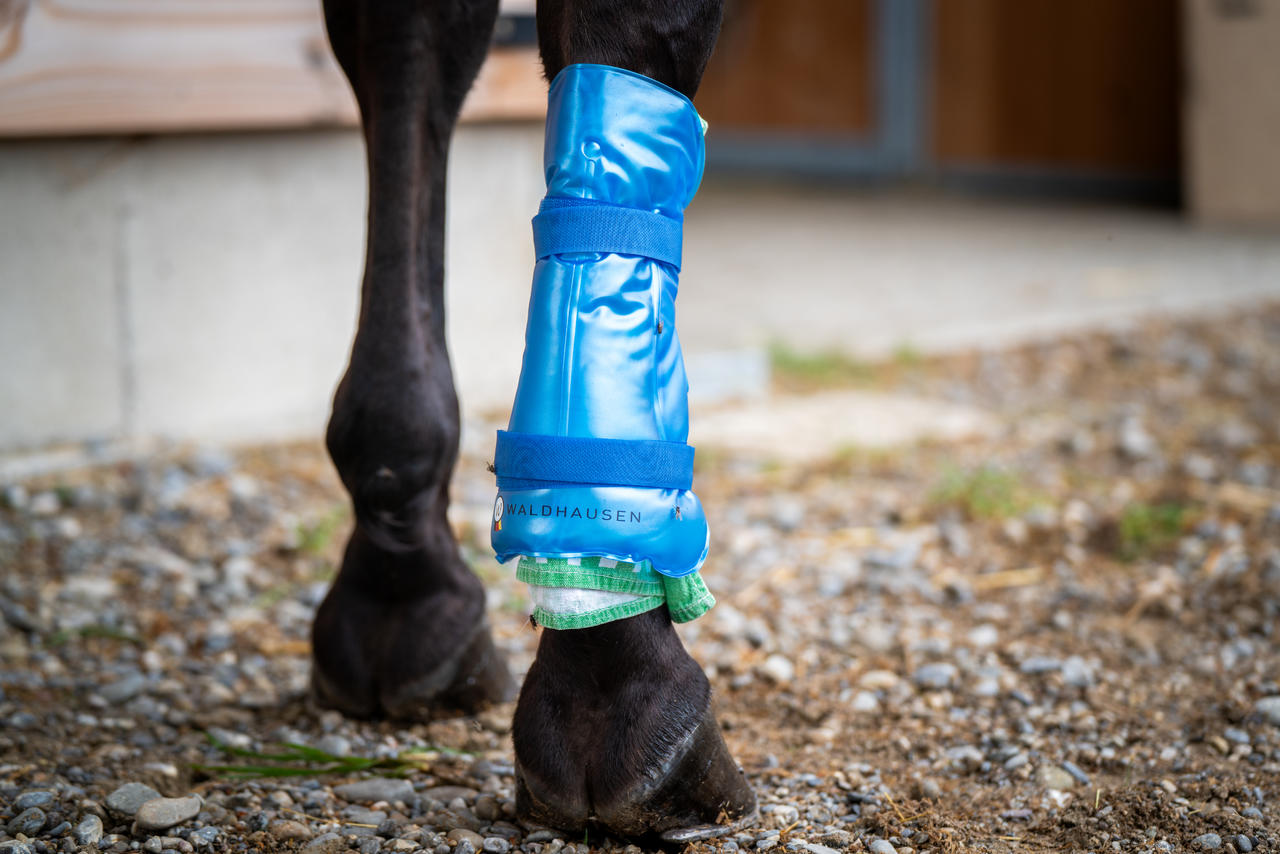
x,y
622,590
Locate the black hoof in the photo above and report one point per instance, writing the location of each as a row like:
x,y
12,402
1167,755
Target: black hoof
x,y
614,731
397,637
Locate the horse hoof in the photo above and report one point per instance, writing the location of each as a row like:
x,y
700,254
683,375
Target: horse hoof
x,y
387,650
614,732
699,794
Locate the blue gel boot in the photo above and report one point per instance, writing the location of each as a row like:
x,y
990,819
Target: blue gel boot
x,y
594,480
595,462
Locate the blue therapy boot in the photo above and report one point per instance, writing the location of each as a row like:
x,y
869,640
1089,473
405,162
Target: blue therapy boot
x,y
594,473
614,725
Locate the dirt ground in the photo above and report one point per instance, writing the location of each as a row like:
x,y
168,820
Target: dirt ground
x,y
1061,637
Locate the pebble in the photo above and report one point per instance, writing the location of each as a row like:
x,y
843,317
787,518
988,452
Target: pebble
x,y
35,798
496,845
1054,777
1038,664
14,846
1077,673
89,830
778,669
205,837
28,822
1269,708
461,834
123,690
289,831
164,813
881,846
816,848
1243,843
375,789
328,843
983,636
1076,772
935,675
1207,841
126,799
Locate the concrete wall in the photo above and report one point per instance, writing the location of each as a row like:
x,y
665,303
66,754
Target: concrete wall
x,y
205,287
208,285
1233,110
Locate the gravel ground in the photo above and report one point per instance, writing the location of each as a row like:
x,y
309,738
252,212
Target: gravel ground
x,y
1062,638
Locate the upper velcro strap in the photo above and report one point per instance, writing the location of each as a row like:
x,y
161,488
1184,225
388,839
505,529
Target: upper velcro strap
x,y
583,225
531,461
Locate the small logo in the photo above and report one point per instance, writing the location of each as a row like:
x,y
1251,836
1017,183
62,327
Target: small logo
x,y
498,507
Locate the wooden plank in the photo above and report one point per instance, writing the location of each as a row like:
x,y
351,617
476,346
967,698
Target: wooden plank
x,y
124,66
803,66
1086,84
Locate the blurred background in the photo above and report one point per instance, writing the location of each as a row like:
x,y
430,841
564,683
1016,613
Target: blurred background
x,y
182,197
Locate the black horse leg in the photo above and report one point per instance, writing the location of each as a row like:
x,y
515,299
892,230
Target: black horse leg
x,y
614,724
402,631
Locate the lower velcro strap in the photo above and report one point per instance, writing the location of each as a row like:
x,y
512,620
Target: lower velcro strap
x,y
532,461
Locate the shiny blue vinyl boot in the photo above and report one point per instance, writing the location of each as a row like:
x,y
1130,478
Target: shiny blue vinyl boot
x,y
595,462
614,727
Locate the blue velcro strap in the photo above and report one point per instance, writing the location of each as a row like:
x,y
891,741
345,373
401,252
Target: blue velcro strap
x,y
531,461
563,226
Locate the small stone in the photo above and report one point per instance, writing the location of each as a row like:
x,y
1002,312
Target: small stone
x,y
1243,844
815,848
328,843
1269,708
164,813
865,701
1135,442
154,845
446,794
1077,673
1053,777
205,837
375,789
1207,842
28,822
881,846
126,799
983,636
937,675
35,798
1037,664
14,846
401,845
496,845
289,831
543,835
461,834
487,809
335,745
88,831
1076,773
778,669
124,689
369,845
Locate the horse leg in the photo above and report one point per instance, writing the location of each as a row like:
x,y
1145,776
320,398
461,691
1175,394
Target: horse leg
x,y
402,630
614,725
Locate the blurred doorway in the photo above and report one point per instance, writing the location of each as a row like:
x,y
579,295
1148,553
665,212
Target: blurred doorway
x,y
1035,96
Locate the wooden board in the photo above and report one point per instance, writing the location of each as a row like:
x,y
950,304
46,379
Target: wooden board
x,y
123,66
1085,84
803,66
